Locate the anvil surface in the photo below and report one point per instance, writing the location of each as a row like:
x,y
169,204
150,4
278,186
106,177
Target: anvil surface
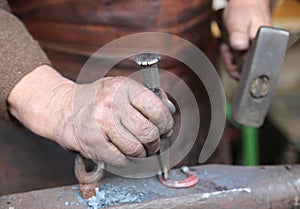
x,y
220,186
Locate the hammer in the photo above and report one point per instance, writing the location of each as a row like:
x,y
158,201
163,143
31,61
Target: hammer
x,y
259,76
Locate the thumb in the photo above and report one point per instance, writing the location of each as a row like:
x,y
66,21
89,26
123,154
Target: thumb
x,y
239,40
237,23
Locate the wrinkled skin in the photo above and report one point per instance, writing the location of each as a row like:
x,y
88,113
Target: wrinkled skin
x,y
129,120
242,19
106,120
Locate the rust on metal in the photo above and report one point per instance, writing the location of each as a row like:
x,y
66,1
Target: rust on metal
x,y
88,181
260,87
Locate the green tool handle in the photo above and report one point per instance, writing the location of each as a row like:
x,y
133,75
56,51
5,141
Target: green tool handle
x,y
249,140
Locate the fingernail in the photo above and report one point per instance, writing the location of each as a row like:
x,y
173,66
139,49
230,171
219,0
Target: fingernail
x,y
171,107
169,134
235,74
239,41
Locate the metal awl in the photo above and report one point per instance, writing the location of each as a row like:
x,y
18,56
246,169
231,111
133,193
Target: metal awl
x,y
151,80
148,62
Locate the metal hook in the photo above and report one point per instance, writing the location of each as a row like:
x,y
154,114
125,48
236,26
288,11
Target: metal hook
x,y
88,181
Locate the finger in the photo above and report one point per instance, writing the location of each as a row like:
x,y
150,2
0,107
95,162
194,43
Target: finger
x,y
239,40
227,57
237,25
94,143
168,135
126,142
113,156
167,102
235,74
154,109
228,61
143,129
105,151
262,20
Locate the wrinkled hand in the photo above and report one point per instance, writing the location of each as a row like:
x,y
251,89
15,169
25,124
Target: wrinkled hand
x,y
118,117
242,19
107,120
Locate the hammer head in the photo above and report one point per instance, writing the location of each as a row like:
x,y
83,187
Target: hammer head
x,y
259,77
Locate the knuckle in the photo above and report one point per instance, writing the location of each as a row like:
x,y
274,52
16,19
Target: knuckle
x,y
120,79
113,82
152,147
149,134
169,125
116,79
119,161
165,122
135,150
157,115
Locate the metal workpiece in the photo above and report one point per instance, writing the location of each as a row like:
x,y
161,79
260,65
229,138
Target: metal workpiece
x,y
88,181
259,76
220,186
191,180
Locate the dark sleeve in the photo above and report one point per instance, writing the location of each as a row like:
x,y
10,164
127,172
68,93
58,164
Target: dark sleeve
x,y
19,55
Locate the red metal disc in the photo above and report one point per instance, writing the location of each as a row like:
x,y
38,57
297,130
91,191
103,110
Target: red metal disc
x,y
191,180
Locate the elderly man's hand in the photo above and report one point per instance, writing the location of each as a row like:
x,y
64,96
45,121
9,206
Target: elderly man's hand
x,y
242,19
117,117
107,120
